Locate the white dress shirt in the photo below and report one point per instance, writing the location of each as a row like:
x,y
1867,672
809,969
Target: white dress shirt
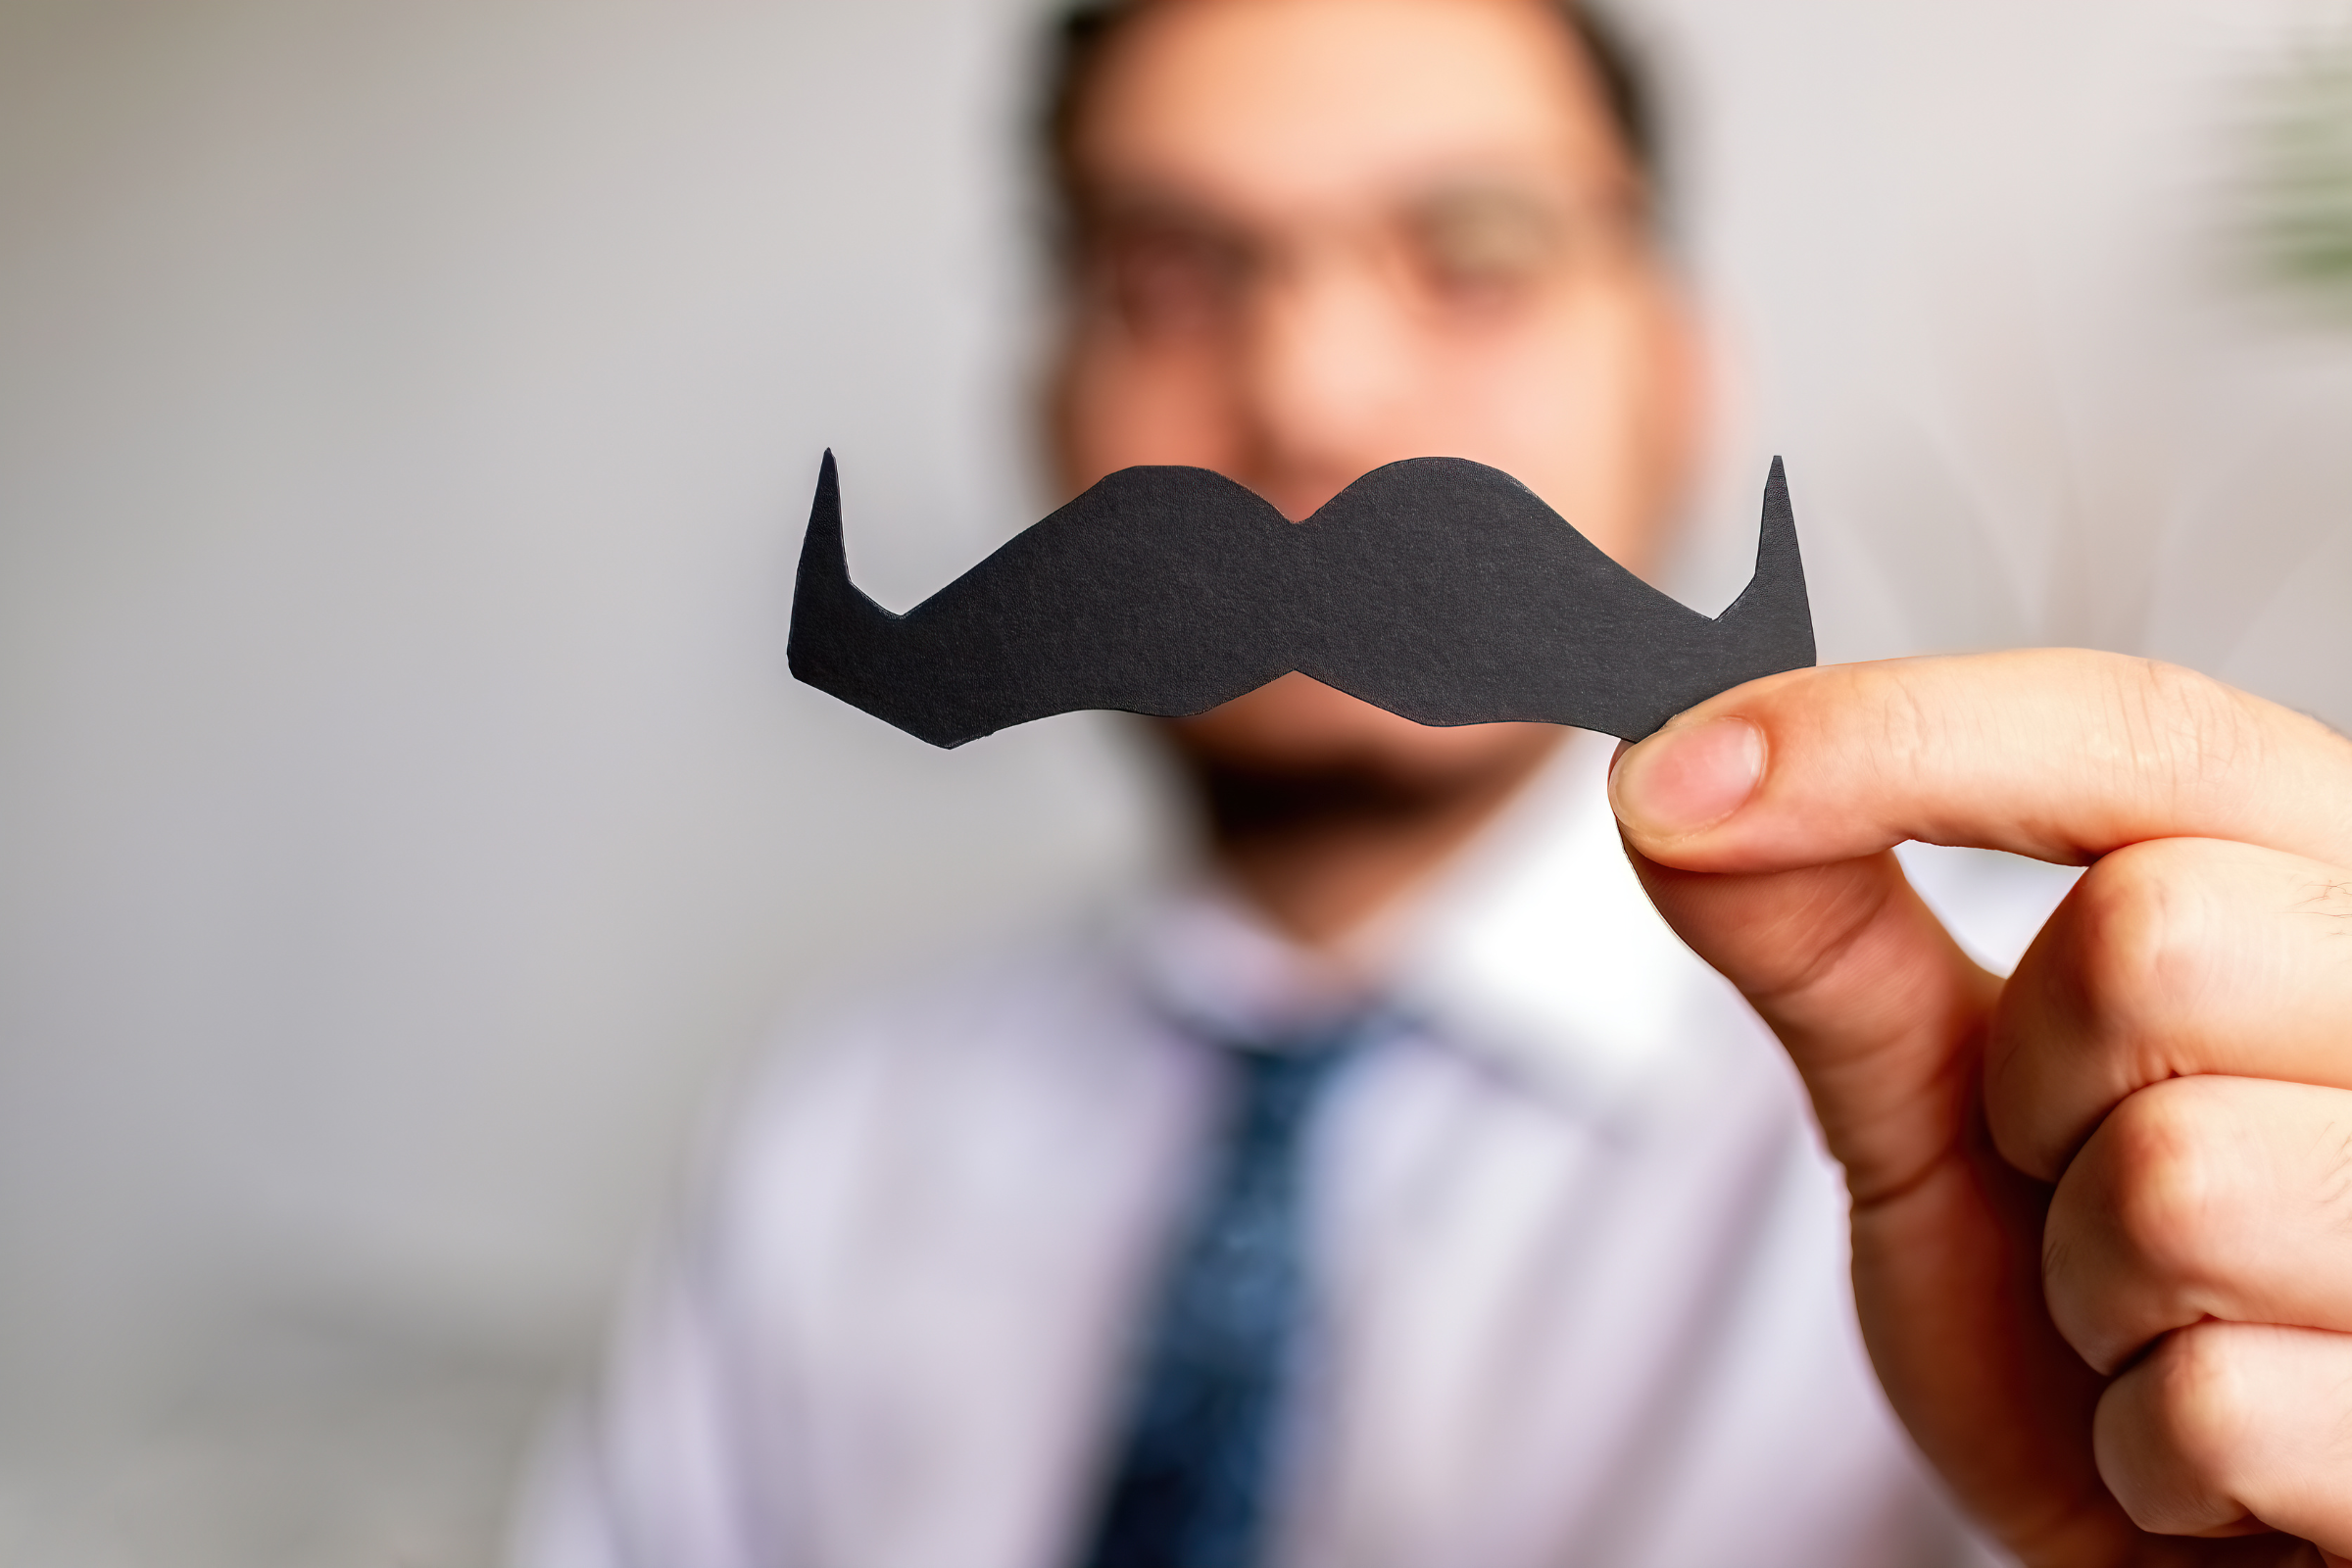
x,y
1580,1259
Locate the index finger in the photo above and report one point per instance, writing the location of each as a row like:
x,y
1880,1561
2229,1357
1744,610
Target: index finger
x,y
2058,754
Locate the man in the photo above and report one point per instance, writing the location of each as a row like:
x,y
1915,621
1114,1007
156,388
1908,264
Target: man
x,y
1402,1191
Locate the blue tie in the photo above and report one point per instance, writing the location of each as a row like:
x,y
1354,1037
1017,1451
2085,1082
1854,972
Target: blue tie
x,y
1195,1461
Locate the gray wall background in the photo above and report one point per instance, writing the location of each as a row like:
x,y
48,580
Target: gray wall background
x,y
407,412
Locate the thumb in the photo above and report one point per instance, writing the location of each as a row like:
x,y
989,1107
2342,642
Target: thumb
x,y
1879,1008
1882,1013
1885,1019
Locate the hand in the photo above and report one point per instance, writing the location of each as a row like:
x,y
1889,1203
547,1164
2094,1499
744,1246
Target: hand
x,y
2103,1213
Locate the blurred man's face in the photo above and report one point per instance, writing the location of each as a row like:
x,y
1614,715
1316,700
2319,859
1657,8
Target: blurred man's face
x,y
1323,235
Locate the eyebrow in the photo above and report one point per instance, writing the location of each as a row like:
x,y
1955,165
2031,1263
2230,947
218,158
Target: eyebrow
x,y
1146,200
1484,194
1152,200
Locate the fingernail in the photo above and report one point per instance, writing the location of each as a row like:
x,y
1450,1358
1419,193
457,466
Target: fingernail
x,y
1688,777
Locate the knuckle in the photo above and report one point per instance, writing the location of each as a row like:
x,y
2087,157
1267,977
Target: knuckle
x,y
2071,1277
2170,1189
2142,947
2201,1404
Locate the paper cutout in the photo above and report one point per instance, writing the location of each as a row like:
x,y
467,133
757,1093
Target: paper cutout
x,y
1437,588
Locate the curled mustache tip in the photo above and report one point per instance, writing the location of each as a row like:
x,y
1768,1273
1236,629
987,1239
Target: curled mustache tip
x,y
832,618
1774,607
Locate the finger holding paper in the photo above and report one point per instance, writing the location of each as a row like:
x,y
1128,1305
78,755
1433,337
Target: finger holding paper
x,y
2197,949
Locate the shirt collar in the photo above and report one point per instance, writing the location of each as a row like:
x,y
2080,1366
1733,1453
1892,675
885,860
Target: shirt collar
x,y
1211,963
1536,948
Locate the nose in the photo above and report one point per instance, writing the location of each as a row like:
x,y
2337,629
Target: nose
x,y
1327,382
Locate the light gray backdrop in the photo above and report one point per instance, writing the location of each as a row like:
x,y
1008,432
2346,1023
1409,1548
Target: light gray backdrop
x,y
407,412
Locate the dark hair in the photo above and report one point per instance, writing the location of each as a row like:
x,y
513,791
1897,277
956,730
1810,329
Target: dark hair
x,y
1085,29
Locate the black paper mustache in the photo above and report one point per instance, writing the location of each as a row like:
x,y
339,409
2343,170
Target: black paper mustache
x,y
1437,588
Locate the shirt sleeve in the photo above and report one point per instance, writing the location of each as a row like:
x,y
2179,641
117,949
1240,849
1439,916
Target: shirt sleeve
x,y
652,1474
